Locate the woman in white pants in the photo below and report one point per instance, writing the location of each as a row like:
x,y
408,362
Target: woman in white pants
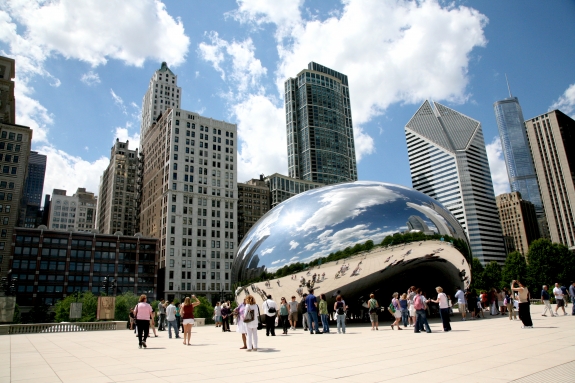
x,y
252,327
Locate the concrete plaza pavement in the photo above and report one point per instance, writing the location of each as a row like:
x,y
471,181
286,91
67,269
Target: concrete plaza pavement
x,y
487,350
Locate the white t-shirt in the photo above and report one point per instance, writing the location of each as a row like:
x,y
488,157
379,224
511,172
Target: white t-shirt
x,y
218,311
460,295
270,304
558,293
442,301
254,323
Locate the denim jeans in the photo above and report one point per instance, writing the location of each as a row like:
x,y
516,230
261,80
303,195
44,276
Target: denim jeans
x,y
405,317
161,323
421,321
325,322
312,316
341,323
173,324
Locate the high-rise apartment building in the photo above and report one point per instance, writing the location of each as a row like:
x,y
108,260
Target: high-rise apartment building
x,y
118,191
552,141
253,203
73,213
15,141
520,167
189,201
284,187
319,126
7,101
31,214
518,220
163,93
448,162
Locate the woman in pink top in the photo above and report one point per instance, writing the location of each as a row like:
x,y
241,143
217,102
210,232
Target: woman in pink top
x,y
143,313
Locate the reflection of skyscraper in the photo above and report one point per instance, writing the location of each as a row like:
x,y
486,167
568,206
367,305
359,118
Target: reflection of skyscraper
x,y
415,223
320,140
448,162
520,168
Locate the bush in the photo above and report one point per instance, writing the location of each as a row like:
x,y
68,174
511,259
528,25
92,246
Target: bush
x,y
89,307
124,303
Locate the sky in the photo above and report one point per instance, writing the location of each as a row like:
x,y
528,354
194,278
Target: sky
x,y
83,67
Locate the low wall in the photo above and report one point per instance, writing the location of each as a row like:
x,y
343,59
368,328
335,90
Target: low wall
x,y
36,328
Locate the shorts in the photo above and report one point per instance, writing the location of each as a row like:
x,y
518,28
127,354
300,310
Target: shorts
x,y
411,311
461,307
373,317
397,314
188,321
500,303
293,316
560,303
218,318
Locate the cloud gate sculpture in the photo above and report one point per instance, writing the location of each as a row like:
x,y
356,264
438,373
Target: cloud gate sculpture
x,y
313,224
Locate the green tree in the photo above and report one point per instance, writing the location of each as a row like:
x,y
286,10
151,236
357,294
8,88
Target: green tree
x,y
492,275
17,318
541,258
565,265
204,310
515,268
124,302
89,307
368,245
477,275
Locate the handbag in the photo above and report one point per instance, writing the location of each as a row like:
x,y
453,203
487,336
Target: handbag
x,y
391,309
249,316
260,325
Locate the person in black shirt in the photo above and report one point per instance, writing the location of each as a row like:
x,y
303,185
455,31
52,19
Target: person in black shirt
x,y
545,301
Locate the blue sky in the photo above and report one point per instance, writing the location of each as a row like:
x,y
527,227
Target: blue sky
x,y
83,67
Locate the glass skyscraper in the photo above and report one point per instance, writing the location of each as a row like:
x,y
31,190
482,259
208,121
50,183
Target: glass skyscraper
x,y
518,159
320,141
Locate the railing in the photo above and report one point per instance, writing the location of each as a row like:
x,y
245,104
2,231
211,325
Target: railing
x,y
36,328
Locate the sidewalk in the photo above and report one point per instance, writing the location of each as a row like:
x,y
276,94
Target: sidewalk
x,y
491,350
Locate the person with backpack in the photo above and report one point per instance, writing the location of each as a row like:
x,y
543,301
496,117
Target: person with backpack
x,y
443,308
270,312
339,307
396,310
419,303
372,305
251,319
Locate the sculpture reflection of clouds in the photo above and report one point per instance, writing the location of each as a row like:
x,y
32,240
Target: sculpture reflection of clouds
x,y
315,223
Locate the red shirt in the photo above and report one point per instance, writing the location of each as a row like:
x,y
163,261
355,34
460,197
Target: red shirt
x,y
187,312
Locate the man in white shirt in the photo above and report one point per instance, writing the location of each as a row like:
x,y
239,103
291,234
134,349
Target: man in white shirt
x,y
270,311
460,295
171,318
559,299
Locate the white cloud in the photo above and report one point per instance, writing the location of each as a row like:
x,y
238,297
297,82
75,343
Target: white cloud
x,y
566,103
283,13
64,171
118,101
90,78
293,245
497,166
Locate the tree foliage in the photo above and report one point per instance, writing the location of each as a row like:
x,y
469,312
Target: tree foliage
x,y
477,282
124,302
492,275
548,263
515,268
89,307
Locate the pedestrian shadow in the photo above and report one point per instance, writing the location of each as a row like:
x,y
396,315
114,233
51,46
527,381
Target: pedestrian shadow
x,y
155,348
455,330
268,350
544,327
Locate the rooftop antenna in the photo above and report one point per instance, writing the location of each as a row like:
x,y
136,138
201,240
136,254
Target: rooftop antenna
x,y
508,88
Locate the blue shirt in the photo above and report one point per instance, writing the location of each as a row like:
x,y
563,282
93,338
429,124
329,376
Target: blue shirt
x,y
310,301
544,295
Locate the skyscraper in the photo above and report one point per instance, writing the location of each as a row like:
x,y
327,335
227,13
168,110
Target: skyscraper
x,y
552,141
7,102
319,126
518,220
448,162
117,196
31,216
520,168
163,93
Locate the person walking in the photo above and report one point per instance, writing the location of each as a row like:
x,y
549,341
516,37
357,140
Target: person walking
x,y
443,308
396,311
372,306
171,318
241,328
218,314
324,314
311,303
132,322
559,299
270,312
460,295
509,304
572,296
143,313
251,319
178,317
546,303
404,305
284,315
410,296
304,318
339,307
419,302
162,312
226,312
293,313
153,324
523,295
187,313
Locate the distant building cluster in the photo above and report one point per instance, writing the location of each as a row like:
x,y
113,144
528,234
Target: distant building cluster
x,y
169,216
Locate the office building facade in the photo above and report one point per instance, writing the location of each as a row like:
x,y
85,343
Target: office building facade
x,y
283,187
321,146
163,93
253,203
552,141
31,213
118,191
518,220
51,264
189,201
7,100
73,213
448,162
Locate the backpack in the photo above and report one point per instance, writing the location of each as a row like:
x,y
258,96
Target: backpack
x,y
417,303
340,310
391,308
